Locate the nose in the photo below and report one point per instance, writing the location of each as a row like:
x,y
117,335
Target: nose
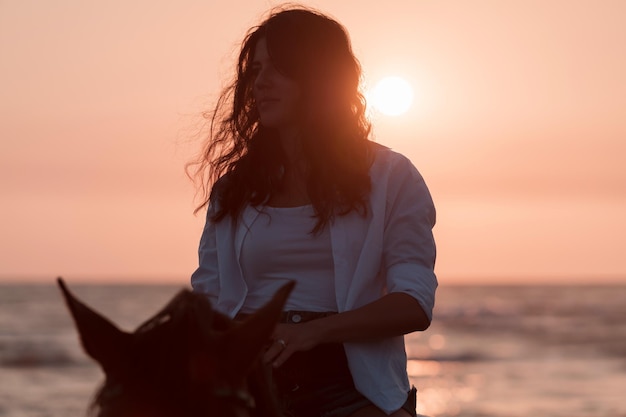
x,y
263,79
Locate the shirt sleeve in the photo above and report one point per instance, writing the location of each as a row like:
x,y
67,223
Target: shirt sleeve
x,y
205,278
409,250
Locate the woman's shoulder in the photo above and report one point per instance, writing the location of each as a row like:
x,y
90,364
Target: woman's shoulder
x,y
220,187
386,159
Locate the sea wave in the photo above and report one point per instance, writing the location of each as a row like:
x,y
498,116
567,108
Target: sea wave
x,y
465,357
31,354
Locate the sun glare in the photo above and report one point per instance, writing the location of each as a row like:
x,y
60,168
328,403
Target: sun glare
x,y
391,96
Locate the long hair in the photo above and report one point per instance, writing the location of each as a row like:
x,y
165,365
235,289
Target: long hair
x,y
243,162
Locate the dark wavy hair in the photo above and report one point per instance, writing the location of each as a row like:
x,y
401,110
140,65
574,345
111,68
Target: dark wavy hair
x,y
243,161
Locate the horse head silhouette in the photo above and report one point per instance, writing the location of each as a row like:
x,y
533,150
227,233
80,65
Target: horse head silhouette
x,y
187,360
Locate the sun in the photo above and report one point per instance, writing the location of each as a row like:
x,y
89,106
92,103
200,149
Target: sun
x,y
391,96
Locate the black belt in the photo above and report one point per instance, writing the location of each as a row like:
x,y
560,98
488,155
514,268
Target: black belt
x,y
298,316
294,316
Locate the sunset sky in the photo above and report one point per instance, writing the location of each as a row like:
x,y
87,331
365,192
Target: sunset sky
x,y
518,126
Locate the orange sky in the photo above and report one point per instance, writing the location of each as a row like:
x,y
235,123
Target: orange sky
x,y
519,127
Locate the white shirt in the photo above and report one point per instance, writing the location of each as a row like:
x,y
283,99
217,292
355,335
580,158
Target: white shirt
x,y
390,250
279,247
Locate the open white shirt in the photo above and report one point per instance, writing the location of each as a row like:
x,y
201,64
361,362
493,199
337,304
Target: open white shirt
x,y
392,249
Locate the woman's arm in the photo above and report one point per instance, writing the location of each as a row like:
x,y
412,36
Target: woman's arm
x,y
205,278
392,315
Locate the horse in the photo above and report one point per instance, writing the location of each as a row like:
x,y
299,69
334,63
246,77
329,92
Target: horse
x,y
188,360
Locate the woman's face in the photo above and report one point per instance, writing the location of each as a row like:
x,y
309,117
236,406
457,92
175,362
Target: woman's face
x,y
277,97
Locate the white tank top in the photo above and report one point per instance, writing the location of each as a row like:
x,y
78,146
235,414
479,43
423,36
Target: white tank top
x,y
279,247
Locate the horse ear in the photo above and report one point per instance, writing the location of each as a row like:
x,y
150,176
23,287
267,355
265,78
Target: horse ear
x,y
100,338
246,340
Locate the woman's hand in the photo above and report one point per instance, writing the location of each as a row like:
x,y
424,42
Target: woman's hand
x,y
291,338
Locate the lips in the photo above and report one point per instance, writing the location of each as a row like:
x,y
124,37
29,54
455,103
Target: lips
x,y
266,100
266,103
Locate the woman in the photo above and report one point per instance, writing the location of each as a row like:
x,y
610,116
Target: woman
x,y
295,190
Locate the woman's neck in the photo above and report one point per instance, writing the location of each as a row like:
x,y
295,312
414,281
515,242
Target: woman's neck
x,y
290,141
293,191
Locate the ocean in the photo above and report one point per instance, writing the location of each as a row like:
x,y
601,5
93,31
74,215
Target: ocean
x,y
492,351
